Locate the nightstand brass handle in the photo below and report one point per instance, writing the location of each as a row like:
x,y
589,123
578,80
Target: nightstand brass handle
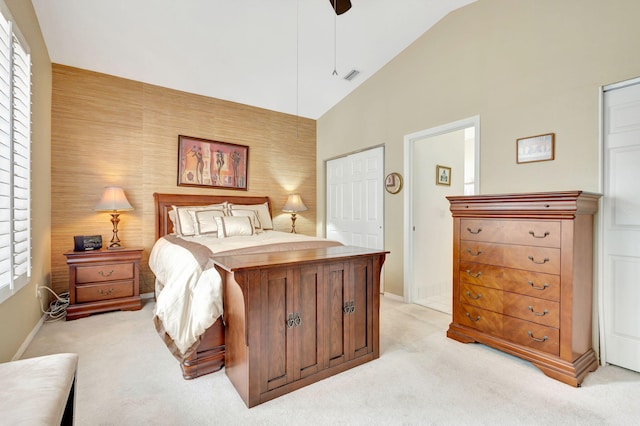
x,y
533,234
473,275
544,286
105,293
545,260
478,253
540,314
544,339
108,274
475,232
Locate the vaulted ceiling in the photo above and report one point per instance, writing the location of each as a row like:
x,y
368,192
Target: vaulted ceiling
x,y
274,54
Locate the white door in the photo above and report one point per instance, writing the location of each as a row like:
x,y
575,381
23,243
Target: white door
x,y
355,199
621,227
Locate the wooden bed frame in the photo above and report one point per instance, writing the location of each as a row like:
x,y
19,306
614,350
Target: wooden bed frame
x,y
209,357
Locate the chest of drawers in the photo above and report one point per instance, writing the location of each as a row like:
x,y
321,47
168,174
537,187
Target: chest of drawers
x,y
103,280
523,278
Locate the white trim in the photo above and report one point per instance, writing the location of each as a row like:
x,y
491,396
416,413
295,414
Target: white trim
x,y
409,141
150,295
29,339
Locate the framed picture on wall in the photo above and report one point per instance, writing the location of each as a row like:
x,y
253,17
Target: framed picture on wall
x,y
443,175
212,164
535,148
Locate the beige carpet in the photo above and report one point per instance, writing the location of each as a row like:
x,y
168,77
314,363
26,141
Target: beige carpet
x,y
127,377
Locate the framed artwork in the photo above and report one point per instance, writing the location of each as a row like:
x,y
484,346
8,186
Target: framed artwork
x,y
393,183
535,148
443,175
212,164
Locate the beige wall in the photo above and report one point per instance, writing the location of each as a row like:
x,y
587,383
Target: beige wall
x,y
20,313
525,67
112,131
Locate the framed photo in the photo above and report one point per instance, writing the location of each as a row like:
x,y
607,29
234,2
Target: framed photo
x,y
212,164
535,148
393,183
443,175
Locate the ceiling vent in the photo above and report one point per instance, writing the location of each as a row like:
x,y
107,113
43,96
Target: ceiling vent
x,y
351,75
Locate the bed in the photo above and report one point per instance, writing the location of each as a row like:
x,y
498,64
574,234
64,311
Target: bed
x,y
202,349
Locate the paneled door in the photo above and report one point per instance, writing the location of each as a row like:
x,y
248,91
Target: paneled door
x,y
355,195
621,226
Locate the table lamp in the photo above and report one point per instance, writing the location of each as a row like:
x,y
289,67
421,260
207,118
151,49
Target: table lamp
x,y
114,201
294,205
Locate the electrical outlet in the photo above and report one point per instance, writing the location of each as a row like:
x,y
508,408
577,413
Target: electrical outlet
x,y
38,295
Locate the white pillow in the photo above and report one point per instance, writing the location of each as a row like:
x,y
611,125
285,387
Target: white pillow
x,y
172,218
252,214
205,221
186,226
230,226
264,215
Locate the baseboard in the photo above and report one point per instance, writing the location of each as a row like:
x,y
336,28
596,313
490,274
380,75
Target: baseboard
x,y
393,297
28,339
148,295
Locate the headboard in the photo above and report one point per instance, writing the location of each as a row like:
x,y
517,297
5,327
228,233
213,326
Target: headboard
x,y
163,203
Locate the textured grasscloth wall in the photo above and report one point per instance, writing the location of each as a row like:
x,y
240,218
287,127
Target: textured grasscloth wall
x,y
112,131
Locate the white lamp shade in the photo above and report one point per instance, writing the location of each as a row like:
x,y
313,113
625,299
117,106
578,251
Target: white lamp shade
x,y
294,204
113,198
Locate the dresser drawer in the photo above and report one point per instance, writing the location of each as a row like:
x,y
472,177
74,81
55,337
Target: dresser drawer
x,y
521,232
538,259
536,284
480,319
107,272
105,291
532,335
532,309
482,297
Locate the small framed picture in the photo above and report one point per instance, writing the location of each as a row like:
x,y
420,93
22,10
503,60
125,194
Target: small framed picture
x,y
443,175
393,183
535,148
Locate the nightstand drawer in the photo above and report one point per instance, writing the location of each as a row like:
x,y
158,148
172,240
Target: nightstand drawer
x,y
107,291
99,273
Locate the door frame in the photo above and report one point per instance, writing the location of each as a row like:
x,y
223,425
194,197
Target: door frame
x,y
409,143
599,274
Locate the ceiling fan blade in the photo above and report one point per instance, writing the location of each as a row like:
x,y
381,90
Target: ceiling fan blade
x,y
340,6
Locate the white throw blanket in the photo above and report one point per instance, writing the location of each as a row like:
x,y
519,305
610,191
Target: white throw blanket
x,y
189,288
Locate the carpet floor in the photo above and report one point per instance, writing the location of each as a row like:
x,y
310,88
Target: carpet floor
x,y
126,376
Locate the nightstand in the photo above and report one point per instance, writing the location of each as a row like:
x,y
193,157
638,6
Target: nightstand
x,y
103,280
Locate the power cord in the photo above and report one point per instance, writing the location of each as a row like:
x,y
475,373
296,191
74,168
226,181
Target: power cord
x,y
57,308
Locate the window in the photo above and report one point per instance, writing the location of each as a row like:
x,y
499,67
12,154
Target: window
x,y
15,158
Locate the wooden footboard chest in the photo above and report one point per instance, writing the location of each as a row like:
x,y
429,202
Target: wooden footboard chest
x,y
295,317
523,278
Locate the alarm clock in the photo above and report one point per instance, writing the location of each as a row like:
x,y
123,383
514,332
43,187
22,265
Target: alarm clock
x,y
87,242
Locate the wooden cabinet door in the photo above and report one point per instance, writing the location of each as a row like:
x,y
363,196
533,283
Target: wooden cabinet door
x,y
289,338
349,310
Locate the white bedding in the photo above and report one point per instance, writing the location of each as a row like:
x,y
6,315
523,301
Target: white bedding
x,y
189,288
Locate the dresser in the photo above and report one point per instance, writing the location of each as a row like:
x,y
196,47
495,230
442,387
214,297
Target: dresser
x,y
103,280
523,278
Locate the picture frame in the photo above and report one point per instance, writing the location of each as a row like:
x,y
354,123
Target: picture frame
x,y
535,148
212,164
443,175
393,183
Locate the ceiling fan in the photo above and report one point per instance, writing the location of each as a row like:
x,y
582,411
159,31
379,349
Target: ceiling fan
x,y
340,6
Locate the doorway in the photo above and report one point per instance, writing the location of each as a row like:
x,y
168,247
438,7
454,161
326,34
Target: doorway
x,y
620,224
428,235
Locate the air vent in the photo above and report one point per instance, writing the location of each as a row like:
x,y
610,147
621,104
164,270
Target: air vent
x,y
351,75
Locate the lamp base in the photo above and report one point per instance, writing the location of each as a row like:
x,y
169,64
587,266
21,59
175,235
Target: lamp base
x,y
115,247
293,223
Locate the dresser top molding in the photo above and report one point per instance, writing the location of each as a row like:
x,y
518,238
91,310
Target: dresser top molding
x,y
549,205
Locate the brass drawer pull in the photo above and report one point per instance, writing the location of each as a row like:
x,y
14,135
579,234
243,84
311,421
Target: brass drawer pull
x,y
545,260
478,295
349,307
540,314
477,318
533,234
544,286
108,274
474,232
473,275
105,293
478,253
544,339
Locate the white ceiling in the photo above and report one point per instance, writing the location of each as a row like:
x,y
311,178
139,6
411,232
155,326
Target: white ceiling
x,y
273,54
